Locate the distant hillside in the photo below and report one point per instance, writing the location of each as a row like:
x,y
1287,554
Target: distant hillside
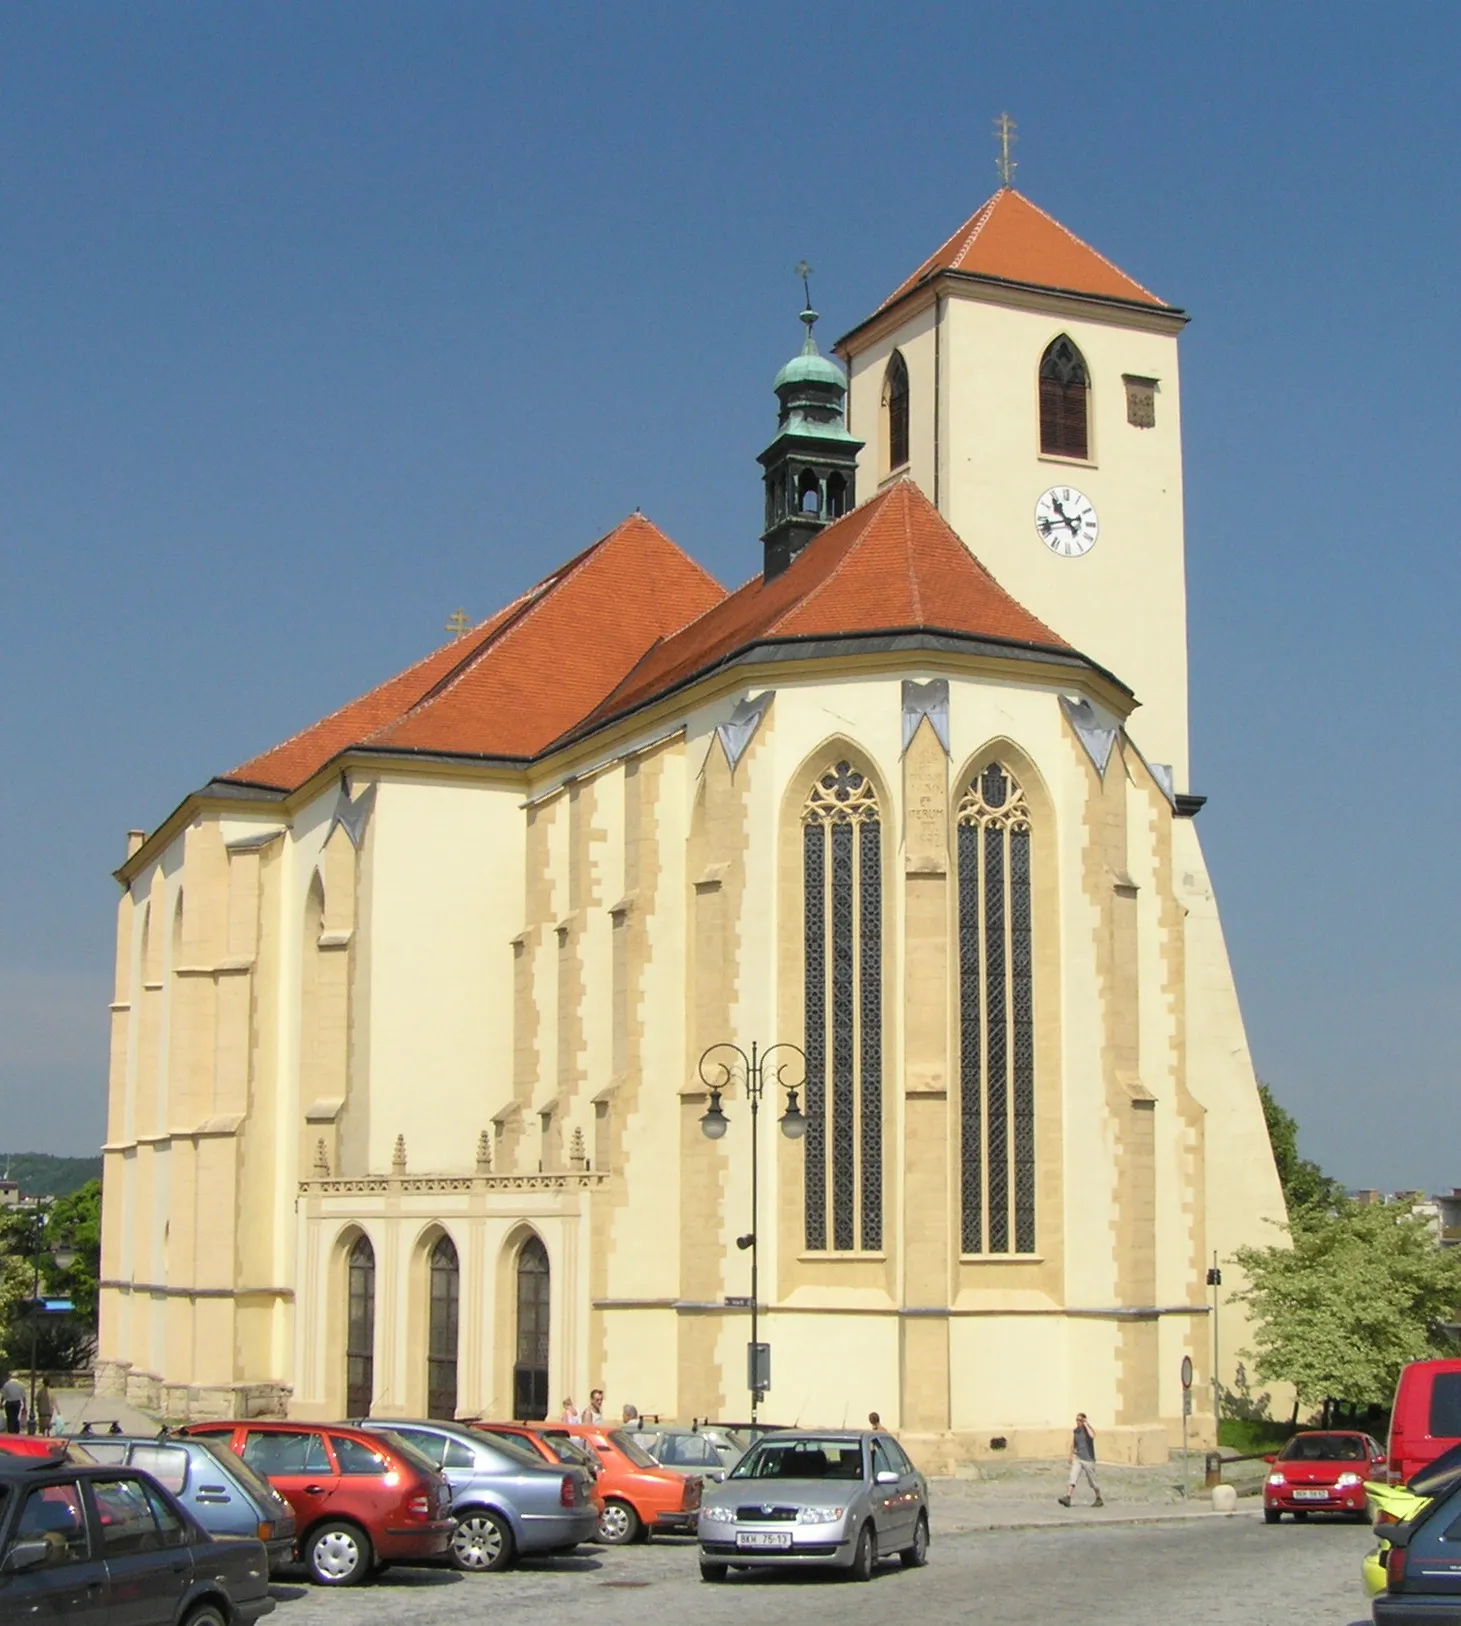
x,y
38,1174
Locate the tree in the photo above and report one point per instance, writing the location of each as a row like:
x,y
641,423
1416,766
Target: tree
x,y
1362,1290
62,1342
1305,1184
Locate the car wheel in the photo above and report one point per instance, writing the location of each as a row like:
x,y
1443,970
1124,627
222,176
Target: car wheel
x,y
206,1614
338,1554
481,1542
916,1556
619,1524
713,1572
865,1556
1271,1515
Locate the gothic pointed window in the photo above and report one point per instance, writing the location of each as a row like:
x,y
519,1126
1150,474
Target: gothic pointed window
x,y
996,1018
842,871
530,1367
895,407
441,1350
360,1329
1065,388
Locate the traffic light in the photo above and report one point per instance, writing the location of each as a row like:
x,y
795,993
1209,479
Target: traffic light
x,y
1214,1276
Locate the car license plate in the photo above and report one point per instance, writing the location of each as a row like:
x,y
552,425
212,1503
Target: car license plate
x,y
763,1539
1311,1495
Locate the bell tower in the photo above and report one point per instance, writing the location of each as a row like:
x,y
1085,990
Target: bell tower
x,y
811,464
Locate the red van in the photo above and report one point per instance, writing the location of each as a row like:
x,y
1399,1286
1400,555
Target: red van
x,y
360,1500
1426,1419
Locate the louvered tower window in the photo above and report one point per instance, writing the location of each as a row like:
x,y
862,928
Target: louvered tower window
x,y
842,868
895,404
996,1018
1065,389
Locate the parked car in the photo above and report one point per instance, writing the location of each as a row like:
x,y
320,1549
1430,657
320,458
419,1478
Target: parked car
x,y
360,1500
507,1502
96,1546
40,1445
1322,1471
526,1436
807,1497
1401,1504
1422,1575
220,1490
705,1449
1426,1417
640,1498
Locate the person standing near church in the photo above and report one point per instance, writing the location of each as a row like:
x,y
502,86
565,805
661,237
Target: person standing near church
x,y
45,1408
1082,1460
569,1414
594,1411
12,1397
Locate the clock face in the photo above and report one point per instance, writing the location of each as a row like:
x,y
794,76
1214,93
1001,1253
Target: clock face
x,y
1066,520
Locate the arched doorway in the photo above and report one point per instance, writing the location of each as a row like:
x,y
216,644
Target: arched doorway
x,y
441,1342
530,1370
360,1329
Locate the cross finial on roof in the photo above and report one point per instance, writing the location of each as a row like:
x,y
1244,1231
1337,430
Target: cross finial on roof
x,y
803,270
1004,129
457,623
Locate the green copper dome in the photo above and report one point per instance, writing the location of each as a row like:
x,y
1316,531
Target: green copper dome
x,y
810,367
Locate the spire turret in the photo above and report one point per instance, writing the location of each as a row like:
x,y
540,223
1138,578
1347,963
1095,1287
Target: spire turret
x,y
811,464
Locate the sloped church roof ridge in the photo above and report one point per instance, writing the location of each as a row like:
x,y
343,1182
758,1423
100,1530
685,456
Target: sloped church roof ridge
x,y
1011,239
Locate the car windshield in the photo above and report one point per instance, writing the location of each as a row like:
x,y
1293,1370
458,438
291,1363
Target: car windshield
x,y
239,1469
805,1458
1324,1448
413,1454
515,1451
633,1449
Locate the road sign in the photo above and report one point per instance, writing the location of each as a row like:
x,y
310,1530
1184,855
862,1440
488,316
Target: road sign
x,y
1186,1371
758,1367
46,1306
737,1301
1187,1402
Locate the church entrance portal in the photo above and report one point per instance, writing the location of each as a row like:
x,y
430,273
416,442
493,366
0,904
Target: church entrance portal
x,y
530,1370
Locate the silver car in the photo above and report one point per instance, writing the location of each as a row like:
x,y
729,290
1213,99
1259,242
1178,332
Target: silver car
x,y
507,1502
705,1449
816,1496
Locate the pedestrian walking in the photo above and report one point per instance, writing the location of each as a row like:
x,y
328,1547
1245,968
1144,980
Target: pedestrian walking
x,y
12,1397
1082,1460
569,1414
45,1407
594,1411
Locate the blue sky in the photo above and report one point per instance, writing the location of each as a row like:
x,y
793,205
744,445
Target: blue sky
x,y
318,320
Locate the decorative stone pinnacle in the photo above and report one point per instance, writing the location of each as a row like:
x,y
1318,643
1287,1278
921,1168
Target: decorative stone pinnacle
x,y
578,1150
322,1160
398,1157
484,1153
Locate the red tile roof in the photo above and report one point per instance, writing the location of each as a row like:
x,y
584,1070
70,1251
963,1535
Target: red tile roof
x,y
511,686
892,565
1010,238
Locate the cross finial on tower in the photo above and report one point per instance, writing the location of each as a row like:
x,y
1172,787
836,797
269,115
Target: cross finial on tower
x,y
457,623
1004,129
803,270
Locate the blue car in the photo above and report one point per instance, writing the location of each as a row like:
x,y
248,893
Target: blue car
x,y
507,1502
219,1489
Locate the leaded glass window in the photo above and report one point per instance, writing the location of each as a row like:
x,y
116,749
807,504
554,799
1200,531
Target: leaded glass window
x,y
441,1344
996,1018
842,871
360,1329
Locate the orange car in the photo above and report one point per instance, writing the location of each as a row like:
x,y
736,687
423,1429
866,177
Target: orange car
x,y
639,1496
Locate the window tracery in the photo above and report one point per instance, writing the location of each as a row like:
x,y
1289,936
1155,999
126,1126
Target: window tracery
x,y
1064,401
996,1017
843,890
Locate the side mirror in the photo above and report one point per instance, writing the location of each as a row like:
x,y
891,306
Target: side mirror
x,y
1270,1459
886,1476
24,1555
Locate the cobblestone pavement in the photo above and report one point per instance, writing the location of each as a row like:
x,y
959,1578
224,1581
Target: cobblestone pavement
x,y
1201,1571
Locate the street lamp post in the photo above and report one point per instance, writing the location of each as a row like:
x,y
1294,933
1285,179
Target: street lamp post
x,y
717,1068
63,1256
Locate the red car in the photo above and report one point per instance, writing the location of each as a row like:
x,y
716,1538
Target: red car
x,y
639,1496
360,1500
1322,1471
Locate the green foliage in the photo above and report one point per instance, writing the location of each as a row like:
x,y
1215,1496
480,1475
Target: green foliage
x,y
1363,1290
38,1174
1253,1435
1305,1185
61,1342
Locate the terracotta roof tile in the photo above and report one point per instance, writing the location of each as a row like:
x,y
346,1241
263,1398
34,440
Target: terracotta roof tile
x,y
1010,238
511,686
892,565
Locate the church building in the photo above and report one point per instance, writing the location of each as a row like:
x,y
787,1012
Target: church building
x,y
416,1104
